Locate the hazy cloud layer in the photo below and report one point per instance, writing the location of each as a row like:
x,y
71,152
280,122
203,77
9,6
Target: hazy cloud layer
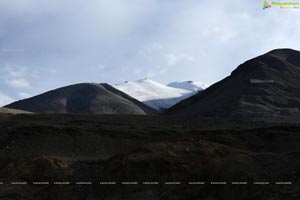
x,y
51,43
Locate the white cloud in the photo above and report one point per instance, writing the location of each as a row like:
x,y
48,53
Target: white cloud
x,y
157,45
19,83
137,71
15,71
101,67
18,76
174,59
220,33
4,99
52,71
150,74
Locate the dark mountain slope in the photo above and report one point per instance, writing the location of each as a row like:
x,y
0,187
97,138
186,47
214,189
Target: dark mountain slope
x,y
83,98
264,88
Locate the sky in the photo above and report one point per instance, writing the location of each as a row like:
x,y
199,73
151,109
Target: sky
x,y
46,44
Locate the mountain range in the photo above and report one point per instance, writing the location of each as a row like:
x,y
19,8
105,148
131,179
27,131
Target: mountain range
x,y
139,97
264,88
85,98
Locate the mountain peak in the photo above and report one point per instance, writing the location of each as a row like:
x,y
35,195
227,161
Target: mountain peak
x,y
269,66
154,94
144,80
194,86
283,51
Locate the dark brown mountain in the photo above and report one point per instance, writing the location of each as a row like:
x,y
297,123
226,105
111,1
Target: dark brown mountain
x,y
85,98
264,88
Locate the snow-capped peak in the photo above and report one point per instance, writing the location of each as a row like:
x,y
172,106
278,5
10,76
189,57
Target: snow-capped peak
x,y
154,94
194,86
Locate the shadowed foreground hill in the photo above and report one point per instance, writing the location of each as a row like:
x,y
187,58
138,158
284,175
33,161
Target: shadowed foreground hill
x,y
83,98
264,88
148,148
